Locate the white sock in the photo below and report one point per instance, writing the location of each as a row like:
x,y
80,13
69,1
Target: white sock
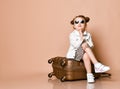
x,y
89,73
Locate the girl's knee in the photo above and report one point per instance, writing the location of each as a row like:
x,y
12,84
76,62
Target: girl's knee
x,y
84,46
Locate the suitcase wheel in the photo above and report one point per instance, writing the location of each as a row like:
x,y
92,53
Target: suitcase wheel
x,y
62,79
50,61
50,74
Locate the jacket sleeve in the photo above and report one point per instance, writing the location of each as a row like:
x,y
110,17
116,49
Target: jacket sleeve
x,y
75,41
89,41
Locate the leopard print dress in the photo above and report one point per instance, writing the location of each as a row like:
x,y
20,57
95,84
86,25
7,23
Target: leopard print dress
x,y
79,53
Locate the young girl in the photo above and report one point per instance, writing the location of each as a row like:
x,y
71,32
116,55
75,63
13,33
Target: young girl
x,y
80,47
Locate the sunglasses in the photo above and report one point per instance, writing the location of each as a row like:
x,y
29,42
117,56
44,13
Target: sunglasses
x,y
81,22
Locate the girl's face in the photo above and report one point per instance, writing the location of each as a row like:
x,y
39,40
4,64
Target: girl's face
x,y
79,24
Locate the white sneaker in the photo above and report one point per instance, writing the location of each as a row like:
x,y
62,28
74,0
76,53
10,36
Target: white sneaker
x,y
90,78
100,68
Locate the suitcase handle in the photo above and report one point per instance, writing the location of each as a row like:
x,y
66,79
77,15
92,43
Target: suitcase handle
x,y
63,63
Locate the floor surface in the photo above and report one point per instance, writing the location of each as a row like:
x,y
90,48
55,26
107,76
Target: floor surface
x,y
41,81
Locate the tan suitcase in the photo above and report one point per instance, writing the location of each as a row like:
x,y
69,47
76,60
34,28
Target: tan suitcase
x,y
69,69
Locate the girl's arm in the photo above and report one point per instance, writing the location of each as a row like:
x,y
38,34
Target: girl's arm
x,y
89,40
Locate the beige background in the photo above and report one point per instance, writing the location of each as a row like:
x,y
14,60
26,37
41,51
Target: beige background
x,y
32,31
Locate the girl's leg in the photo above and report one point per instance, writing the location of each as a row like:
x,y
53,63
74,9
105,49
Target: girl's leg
x,y
87,62
91,55
87,49
99,68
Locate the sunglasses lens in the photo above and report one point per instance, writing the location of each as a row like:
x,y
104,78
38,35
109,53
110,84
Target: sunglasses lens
x,y
82,21
76,22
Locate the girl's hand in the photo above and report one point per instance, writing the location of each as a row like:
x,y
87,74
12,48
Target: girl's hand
x,y
81,35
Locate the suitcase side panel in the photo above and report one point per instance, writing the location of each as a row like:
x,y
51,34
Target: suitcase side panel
x,y
72,70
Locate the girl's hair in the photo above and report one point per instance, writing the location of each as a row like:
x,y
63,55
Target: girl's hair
x,y
87,19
